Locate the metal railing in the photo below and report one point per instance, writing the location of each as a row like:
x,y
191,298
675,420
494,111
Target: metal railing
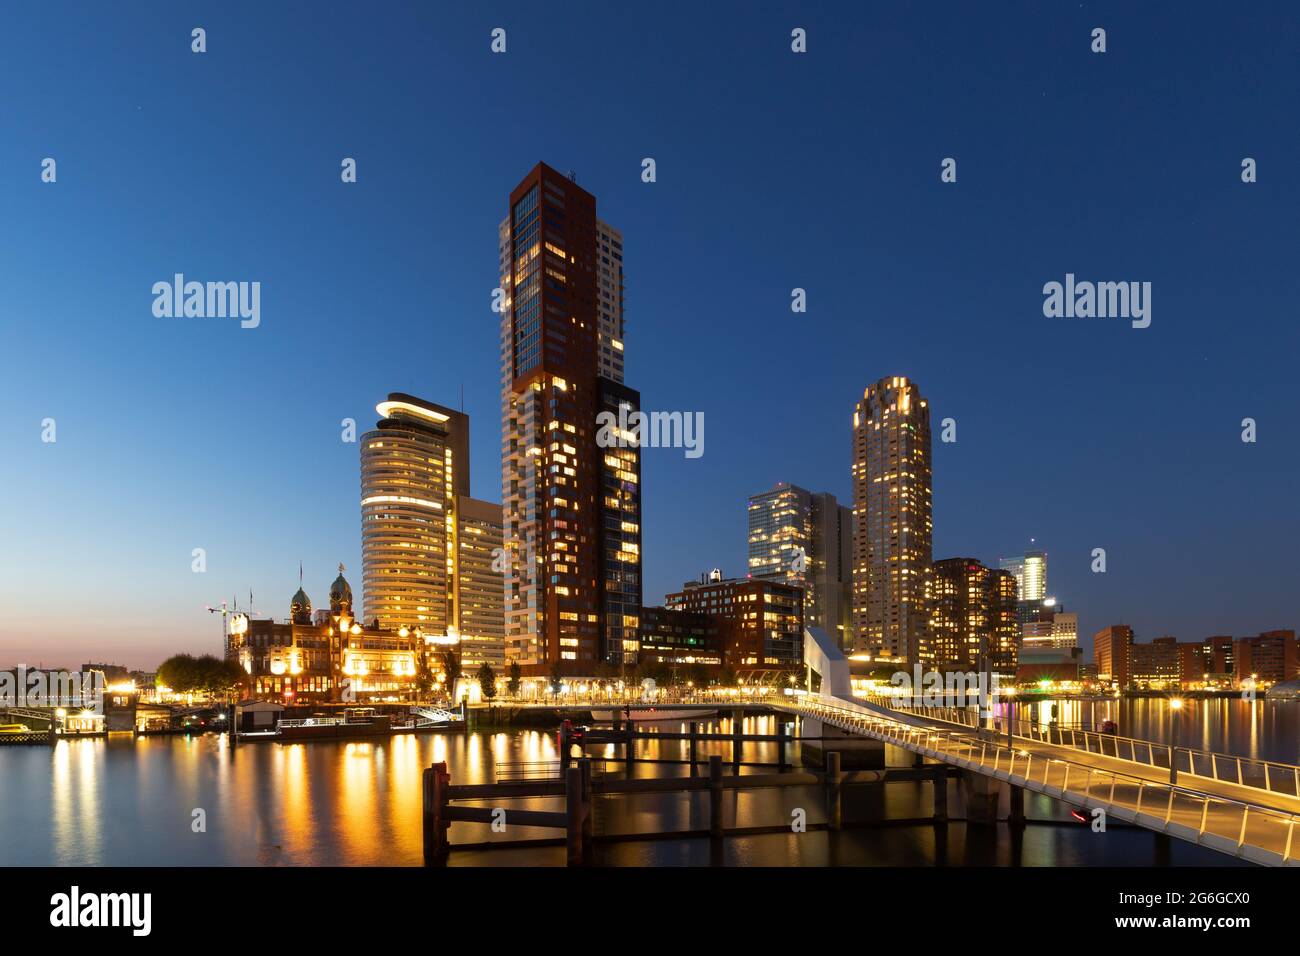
x,y
1266,775
1231,826
518,771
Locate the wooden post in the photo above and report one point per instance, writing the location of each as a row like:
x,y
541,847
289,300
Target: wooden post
x,y
584,764
780,748
715,796
695,731
834,790
436,824
941,794
629,746
737,728
573,810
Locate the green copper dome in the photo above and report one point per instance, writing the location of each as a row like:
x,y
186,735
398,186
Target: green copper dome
x,y
340,594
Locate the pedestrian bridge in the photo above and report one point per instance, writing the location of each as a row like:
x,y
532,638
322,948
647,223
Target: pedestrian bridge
x,y
1246,809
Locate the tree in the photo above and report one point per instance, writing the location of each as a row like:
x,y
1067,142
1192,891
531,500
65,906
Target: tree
x,y
487,682
451,664
556,678
514,685
207,676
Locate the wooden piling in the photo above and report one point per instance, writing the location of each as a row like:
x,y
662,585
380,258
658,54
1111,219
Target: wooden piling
x,y
695,739
715,796
436,825
834,790
573,813
737,732
588,825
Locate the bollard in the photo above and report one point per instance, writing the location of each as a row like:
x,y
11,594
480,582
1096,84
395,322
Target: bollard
x,y
715,796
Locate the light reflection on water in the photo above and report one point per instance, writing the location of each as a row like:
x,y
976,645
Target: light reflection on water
x,y
1263,729
132,802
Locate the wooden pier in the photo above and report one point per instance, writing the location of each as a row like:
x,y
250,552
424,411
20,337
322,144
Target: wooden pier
x,y
580,787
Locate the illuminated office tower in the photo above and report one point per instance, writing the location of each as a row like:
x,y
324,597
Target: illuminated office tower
x,y
480,598
1030,571
413,466
892,519
806,539
571,508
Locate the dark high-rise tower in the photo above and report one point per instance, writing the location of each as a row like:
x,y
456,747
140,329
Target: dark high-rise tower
x,y
571,509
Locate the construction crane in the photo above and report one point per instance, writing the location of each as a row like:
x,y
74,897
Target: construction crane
x,y
229,610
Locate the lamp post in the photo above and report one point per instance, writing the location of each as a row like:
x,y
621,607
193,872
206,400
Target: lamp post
x,y
1175,707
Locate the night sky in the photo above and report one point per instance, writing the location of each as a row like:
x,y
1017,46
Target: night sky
x,y
775,171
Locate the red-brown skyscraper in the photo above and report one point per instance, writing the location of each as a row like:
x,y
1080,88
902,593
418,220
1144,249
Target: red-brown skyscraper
x,y
571,509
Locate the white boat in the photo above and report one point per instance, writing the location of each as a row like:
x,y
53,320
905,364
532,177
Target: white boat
x,y
645,713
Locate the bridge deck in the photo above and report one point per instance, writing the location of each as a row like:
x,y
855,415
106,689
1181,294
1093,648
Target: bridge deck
x,y
1246,822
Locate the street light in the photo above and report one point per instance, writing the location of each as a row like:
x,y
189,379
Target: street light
x,y
1175,705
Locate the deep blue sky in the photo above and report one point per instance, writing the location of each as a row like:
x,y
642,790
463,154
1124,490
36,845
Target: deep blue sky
x,y
774,171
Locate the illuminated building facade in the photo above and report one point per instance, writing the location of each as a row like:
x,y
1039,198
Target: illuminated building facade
x,y
1155,665
1050,628
331,657
571,508
414,465
806,539
972,612
893,522
480,596
676,637
1110,648
1031,582
1267,659
762,621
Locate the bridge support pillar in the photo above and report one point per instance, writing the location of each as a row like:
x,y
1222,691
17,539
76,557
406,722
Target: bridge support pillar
x,y
1017,806
980,794
817,740
941,794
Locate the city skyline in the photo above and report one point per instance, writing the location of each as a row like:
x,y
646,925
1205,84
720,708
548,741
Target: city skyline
x,y
205,404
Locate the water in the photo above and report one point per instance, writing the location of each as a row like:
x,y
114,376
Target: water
x,y
124,802
1262,729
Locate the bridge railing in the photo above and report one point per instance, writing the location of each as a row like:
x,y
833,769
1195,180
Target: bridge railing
x,y
1228,824
1266,775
